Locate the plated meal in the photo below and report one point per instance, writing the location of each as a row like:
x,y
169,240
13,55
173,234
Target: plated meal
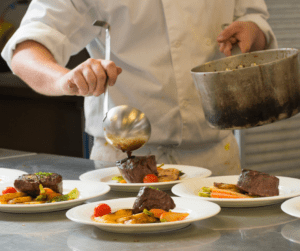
x,y
251,184
151,206
37,188
45,192
111,177
152,210
249,189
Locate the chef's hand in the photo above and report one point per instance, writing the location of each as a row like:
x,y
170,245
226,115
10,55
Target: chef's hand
x,y
89,78
247,35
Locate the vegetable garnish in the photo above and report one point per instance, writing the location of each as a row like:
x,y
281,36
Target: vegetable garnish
x,y
154,212
120,179
74,194
150,178
172,216
9,190
159,167
214,192
102,209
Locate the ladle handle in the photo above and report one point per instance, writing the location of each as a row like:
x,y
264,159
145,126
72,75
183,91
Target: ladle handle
x,y
107,57
235,48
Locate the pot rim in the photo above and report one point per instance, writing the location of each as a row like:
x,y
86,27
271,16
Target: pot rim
x,y
195,71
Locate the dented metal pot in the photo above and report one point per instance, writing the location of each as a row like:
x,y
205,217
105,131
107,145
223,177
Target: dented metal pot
x,y
250,89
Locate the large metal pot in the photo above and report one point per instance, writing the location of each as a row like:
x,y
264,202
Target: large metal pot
x,y
236,98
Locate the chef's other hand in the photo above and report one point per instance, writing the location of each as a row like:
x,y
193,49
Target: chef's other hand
x,y
89,78
247,35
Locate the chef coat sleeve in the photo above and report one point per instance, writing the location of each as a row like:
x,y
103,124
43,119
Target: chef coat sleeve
x,y
256,11
64,27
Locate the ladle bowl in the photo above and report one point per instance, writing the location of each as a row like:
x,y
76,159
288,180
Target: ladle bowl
x,y
126,128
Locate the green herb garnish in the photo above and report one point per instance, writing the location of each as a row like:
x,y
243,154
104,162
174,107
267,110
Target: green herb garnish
x,y
154,188
44,174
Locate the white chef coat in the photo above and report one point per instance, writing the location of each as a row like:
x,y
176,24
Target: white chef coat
x,y
156,43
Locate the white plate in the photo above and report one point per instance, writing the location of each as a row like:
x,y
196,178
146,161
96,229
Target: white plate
x,y
9,175
288,188
292,207
87,190
105,175
198,210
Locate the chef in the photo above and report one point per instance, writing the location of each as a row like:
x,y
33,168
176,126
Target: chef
x,y
154,45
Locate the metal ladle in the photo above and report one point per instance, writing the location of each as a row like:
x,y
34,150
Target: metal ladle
x,y
125,128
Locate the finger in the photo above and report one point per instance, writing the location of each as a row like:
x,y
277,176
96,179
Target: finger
x,y
221,47
227,49
90,78
229,32
81,83
245,45
101,77
119,70
233,40
111,71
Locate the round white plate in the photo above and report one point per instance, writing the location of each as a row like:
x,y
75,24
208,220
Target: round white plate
x,y
288,188
198,210
292,207
105,175
9,175
87,190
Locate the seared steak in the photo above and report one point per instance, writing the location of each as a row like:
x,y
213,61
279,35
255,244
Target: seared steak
x,y
135,168
258,183
29,183
150,198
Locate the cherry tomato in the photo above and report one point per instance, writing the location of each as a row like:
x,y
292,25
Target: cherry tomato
x,y
101,210
149,178
9,190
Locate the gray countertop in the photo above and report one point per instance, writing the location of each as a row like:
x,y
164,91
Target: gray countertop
x,y
259,228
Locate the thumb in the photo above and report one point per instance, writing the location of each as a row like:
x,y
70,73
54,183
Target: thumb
x,y
119,70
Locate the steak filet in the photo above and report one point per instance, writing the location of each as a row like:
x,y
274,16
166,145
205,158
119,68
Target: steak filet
x,y
29,183
151,198
135,168
258,183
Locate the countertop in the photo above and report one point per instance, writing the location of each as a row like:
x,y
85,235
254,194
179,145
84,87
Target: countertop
x,y
259,228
